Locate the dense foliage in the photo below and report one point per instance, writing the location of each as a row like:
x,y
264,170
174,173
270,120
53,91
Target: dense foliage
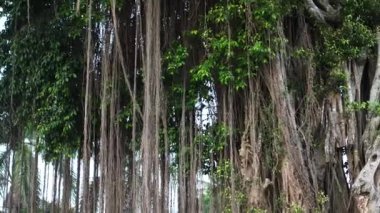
x,y
246,98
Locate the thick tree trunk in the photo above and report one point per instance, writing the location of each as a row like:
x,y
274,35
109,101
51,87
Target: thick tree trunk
x,y
152,75
367,184
251,149
336,139
296,175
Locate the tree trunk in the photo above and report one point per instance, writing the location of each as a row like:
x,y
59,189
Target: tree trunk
x,y
295,173
366,185
54,202
77,185
152,74
67,185
34,185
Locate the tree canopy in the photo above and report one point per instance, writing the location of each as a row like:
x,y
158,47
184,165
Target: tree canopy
x,y
190,105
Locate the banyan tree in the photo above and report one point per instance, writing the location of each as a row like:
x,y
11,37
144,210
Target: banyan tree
x,y
190,106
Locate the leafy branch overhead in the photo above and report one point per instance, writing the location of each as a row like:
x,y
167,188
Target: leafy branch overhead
x,y
126,106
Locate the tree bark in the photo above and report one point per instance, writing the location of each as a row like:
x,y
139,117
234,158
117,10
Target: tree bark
x,y
366,185
295,174
34,185
87,117
152,66
67,185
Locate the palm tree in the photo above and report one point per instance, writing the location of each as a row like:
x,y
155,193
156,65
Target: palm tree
x,y
23,179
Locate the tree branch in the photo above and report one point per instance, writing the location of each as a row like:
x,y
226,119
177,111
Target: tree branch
x,y
323,11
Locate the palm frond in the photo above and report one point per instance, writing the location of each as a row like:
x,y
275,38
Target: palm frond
x,y
74,178
4,171
21,174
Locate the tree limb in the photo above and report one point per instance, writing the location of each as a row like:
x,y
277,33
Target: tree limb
x,y
323,11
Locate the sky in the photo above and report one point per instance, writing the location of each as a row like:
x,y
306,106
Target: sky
x,y
2,20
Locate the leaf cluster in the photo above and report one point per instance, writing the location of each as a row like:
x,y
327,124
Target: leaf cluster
x,y
41,71
239,39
